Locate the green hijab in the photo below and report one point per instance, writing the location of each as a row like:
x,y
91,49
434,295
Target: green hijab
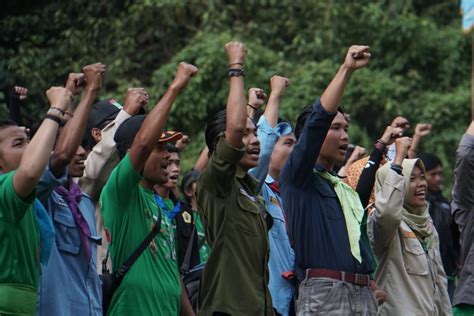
x,y
417,218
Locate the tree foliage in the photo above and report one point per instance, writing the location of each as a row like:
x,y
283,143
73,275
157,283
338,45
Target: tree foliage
x,y
420,65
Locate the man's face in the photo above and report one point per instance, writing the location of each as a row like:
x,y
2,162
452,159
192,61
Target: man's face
x,y
174,171
156,166
337,141
281,151
76,167
252,146
434,178
417,188
13,142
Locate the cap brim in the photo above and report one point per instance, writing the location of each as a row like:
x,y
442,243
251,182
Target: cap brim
x,y
170,136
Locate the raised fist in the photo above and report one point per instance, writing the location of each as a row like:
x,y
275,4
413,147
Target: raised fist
x,y
422,129
21,92
184,72
135,99
59,97
75,83
357,57
236,52
402,144
182,142
401,122
257,97
278,85
93,75
358,153
390,134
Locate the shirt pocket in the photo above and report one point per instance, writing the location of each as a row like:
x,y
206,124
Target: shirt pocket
x,y
328,199
247,220
414,257
67,234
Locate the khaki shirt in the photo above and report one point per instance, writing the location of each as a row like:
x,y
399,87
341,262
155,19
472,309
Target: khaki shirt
x,y
415,281
236,275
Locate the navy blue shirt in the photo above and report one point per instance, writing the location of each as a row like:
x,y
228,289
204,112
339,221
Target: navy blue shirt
x,y
316,223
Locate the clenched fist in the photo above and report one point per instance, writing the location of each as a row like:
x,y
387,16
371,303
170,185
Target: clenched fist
x,y
93,75
236,52
75,83
278,85
357,57
59,97
184,72
135,99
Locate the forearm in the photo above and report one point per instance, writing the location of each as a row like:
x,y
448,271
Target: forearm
x,y
367,177
470,129
71,136
414,146
272,109
35,158
203,159
236,112
332,96
14,109
152,128
186,308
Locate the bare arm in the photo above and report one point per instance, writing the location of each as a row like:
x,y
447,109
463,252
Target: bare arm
x,y
152,127
236,103
357,57
38,151
421,130
203,159
70,138
278,85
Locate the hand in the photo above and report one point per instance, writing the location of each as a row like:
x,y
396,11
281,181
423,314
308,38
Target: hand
x,y
357,57
21,92
422,129
135,99
93,75
236,52
183,74
278,85
257,97
59,97
402,144
390,134
183,142
75,83
379,294
401,122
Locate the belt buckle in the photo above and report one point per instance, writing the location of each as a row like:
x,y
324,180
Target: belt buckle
x,y
360,279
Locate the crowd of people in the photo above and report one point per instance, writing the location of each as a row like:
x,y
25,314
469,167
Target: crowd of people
x,y
275,218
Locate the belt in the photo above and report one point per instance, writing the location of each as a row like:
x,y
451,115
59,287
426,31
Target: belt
x,y
354,278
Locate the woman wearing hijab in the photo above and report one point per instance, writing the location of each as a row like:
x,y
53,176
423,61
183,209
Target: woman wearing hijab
x,y
405,241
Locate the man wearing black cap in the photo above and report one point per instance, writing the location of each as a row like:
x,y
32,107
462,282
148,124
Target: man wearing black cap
x,y
152,286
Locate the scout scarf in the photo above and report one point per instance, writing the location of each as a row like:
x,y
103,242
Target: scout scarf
x,y
170,213
352,209
73,197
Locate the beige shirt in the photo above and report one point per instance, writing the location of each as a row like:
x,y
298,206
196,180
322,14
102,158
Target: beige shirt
x,y
414,280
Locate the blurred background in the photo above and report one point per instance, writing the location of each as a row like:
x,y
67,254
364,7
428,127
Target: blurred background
x,y
420,64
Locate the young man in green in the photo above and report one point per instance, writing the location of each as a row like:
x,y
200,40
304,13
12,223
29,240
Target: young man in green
x,y
22,163
152,285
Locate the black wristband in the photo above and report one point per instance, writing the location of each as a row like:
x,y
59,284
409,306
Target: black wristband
x,y
235,72
381,146
248,104
54,118
397,168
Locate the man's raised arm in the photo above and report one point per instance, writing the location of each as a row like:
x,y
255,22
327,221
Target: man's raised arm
x,y
152,127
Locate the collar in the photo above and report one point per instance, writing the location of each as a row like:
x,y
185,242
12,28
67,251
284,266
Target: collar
x,y
269,179
240,173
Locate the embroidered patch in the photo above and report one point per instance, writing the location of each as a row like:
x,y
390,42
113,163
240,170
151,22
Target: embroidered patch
x,y
187,217
243,192
409,235
274,201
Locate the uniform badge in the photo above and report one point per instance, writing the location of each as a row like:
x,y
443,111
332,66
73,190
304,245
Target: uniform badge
x,y
187,217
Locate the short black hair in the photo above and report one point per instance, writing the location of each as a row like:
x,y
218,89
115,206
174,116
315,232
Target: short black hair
x,y
430,161
7,123
215,126
301,120
171,148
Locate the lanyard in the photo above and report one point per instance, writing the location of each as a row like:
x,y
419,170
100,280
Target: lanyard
x,y
170,213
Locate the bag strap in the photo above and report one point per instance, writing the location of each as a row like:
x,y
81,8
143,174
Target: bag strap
x,y
120,273
187,257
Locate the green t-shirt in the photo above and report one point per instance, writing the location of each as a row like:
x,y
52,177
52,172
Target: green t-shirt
x,y
204,250
152,285
19,239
